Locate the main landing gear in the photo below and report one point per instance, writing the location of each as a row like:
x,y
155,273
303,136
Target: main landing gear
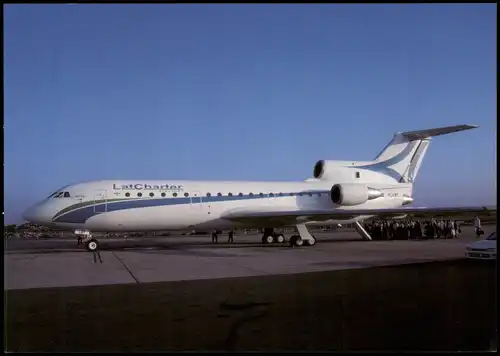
x,y
303,239
90,243
270,236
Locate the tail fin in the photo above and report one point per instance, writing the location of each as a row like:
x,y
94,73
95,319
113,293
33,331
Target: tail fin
x,y
403,155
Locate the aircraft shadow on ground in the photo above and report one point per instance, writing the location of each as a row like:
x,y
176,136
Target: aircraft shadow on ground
x,y
165,245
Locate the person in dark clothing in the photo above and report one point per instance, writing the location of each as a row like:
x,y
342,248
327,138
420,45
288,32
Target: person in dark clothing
x,y
230,236
376,230
418,228
412,231
401,231
457,229
96,255
79,240
215,236
446,229
369,229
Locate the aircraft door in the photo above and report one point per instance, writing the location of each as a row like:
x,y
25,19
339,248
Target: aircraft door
x,y
79,197
100,201
196,200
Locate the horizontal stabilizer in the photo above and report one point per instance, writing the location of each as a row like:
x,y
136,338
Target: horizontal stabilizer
x,y
422,134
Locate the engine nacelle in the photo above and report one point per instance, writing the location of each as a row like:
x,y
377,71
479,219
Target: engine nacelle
x,y
353,194
334,170
320,169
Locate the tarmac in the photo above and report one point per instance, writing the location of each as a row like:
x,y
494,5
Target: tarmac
x,y
61,263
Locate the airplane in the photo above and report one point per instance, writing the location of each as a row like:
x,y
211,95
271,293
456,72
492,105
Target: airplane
x,y
340,192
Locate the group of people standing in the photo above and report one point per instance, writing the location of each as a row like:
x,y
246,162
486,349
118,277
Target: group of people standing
x,y
403,230
413,229
215,236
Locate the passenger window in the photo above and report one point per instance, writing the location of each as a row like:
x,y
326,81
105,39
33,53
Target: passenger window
x,y
139,195
151,194
66,195
175,194
163,194
127,194
186,194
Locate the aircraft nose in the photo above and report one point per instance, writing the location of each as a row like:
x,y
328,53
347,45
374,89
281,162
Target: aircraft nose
x,y
37,214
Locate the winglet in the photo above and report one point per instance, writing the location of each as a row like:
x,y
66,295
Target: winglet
x,y
422,134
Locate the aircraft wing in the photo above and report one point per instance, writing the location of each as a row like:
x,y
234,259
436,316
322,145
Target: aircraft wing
x,y
270,217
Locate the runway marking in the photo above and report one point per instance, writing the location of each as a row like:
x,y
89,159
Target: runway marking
x,y
124,265
31,260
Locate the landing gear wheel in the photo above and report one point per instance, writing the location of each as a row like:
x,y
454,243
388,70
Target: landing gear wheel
x,y
310,242
269,239
92,245
280,239
295,240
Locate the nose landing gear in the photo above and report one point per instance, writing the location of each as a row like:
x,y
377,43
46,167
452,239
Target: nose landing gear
x,y
85,236
92,245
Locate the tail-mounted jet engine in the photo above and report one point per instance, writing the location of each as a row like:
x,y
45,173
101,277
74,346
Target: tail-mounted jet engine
x,y
353,194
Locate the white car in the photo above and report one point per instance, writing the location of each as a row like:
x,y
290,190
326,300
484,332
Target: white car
x,y
483,250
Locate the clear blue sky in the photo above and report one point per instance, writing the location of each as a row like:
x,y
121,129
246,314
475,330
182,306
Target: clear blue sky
x,y
257,92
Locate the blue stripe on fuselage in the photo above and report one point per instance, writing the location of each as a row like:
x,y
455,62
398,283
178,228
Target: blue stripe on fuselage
x,y
80,215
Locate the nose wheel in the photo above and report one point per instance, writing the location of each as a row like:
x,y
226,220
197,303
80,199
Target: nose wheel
x,y
92,245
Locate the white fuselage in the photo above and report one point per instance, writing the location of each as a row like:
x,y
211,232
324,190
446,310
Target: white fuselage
x,y
357,187
172,205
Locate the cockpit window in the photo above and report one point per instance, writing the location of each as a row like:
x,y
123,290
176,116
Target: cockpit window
x,y
52,195
60,195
